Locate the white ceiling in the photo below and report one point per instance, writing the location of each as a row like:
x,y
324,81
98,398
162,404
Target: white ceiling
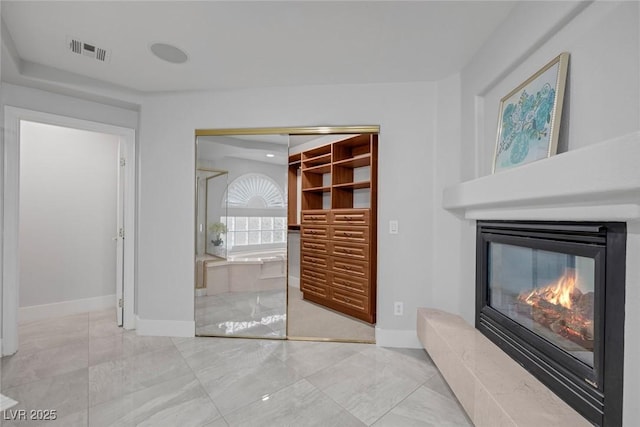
x,y
240,44
248,147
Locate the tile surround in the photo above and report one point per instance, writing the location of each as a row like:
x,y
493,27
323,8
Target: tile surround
x,y
492,387
127,380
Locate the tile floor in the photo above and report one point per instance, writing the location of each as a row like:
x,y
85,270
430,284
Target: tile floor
x,y
243,314
262,314
95,374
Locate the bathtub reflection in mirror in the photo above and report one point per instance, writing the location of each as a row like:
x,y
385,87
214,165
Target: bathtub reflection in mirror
x,y
241,235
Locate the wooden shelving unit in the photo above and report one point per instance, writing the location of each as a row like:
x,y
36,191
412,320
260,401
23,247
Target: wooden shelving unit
x,y
338,248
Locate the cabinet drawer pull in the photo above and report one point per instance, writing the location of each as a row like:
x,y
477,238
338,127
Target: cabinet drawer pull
x,y
347,234
347,299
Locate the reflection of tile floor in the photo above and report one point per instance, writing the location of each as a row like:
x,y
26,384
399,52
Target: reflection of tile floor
x,y
245,314
94,374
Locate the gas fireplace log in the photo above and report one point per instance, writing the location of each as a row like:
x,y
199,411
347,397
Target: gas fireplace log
x,y
567,323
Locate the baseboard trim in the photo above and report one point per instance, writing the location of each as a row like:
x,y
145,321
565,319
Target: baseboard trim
x,y
397,338
65,308
165,328
294,282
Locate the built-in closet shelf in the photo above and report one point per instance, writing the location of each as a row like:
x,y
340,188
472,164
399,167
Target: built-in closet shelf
x,y
295,158
355,162
316,161
317,190
321,169
338,243
353,185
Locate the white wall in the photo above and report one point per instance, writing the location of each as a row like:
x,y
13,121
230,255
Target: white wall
x,y
446,292
39,100
602,101
62,105
68,196
1,181
406,114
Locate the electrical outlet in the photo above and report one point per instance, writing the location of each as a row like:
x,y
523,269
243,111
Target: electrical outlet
x,y
393,226
398,308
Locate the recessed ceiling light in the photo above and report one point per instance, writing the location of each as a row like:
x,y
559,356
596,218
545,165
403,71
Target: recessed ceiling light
x,y
169,53
271,155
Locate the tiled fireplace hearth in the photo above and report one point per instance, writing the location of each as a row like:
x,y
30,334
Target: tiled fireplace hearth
x,y
589,187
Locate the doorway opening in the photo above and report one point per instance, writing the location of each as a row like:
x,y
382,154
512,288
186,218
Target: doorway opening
x,y
69,199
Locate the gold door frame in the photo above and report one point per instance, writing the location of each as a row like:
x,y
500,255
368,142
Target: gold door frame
x,y
287,130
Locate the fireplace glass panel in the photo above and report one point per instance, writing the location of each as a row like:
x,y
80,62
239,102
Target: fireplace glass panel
x,y
549,293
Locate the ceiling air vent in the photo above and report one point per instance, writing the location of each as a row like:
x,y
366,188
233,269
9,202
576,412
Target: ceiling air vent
x,y
87,49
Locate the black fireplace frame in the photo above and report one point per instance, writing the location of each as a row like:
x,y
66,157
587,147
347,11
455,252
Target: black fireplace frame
x,y
596,392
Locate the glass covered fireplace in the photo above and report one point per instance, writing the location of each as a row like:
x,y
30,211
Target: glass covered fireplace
x,y
551,295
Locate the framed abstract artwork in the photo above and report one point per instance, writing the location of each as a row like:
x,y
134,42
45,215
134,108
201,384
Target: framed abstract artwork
x,y
529,117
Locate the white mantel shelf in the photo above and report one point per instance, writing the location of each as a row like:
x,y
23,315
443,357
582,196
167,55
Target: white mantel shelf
x,y
600,182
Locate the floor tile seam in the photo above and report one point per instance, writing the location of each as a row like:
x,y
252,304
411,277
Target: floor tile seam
x,y
336,402
136,354
394,369
55,318
321,368
193,372
120,359
138,390
261,397
127,358
18,356
43,378
8,389
106,335
75,341
436,391
396,405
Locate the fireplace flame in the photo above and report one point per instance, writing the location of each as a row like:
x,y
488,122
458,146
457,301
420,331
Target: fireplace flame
x,y
558,293
562,308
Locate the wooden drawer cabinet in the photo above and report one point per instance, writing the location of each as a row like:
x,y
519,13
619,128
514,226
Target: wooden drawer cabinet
x,y
314,232
350,216
313,260
313,288
338,220
349,234
315,275
349,267
357,302
351,251
315,217
315,246
351,284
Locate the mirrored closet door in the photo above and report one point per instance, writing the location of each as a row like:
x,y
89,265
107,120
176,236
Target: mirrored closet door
x,y
241,236
286,233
